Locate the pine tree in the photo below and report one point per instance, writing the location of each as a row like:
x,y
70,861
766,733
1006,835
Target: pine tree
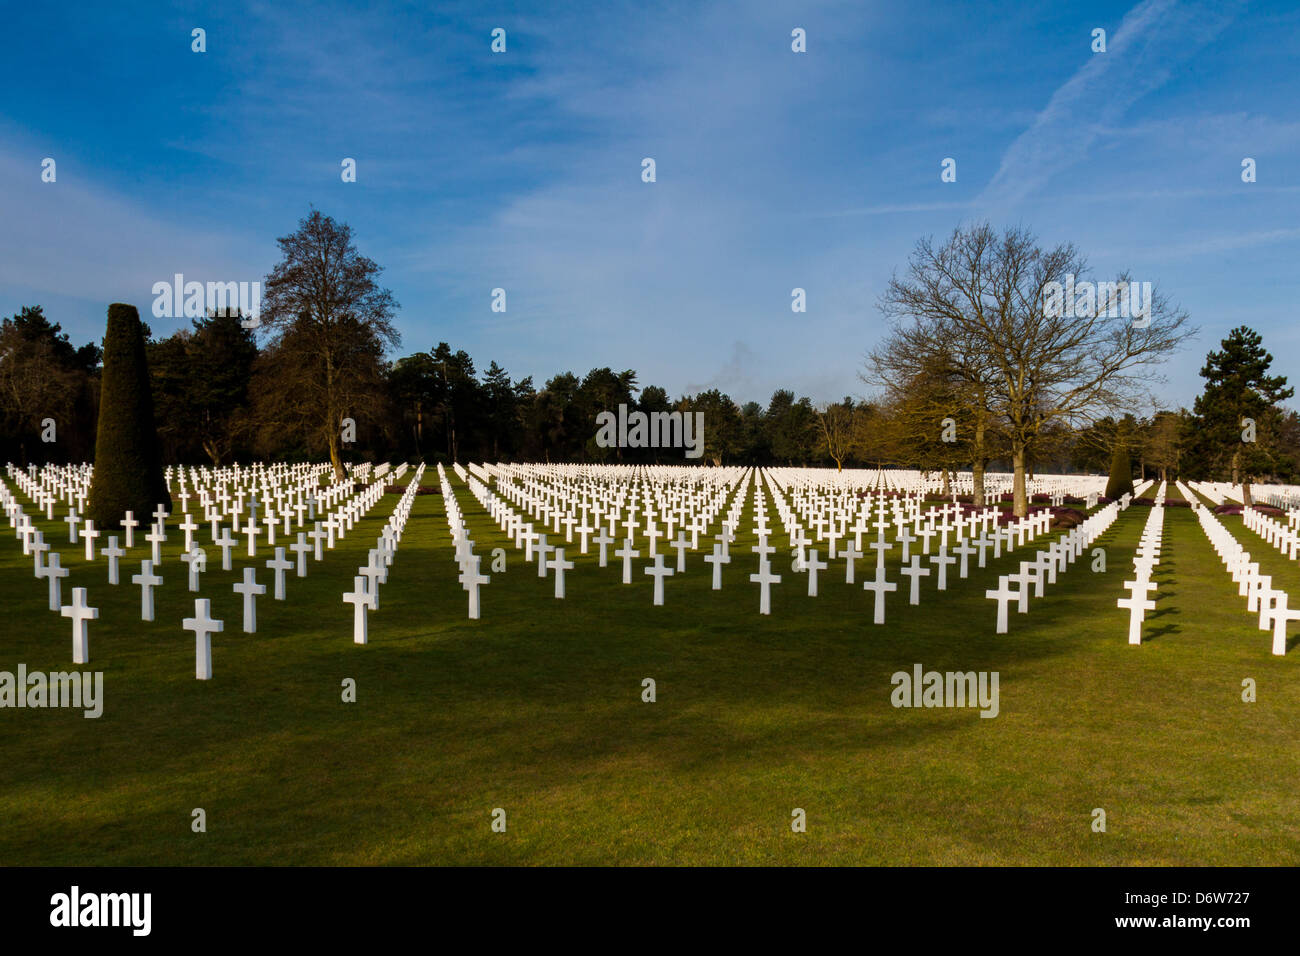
x,y
128,465
1236,416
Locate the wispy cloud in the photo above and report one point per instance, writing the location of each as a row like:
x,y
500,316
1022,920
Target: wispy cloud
x,y
1152,41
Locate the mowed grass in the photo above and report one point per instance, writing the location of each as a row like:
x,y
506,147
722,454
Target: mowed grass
x,y
537,709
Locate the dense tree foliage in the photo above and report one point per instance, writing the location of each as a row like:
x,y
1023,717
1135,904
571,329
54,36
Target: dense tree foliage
x,y
49,391
970,375
220,398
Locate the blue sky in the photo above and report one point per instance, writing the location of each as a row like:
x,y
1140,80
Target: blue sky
x,y
775,170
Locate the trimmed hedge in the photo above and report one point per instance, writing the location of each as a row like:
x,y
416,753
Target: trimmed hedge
x,y
128,463
1121,472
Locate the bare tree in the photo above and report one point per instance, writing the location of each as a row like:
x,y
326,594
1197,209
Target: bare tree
x,y
940,390
329,320
836,423
1047,362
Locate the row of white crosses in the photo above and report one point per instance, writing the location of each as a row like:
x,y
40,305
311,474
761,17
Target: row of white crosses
x,y
72,482
1145,559
907,516
764,577
1284,497
1270,603
904,512
51,569
364,596
1047,563
471,577
79,611
1058,488
350,508
1283,537
1216,491
587,499
76,475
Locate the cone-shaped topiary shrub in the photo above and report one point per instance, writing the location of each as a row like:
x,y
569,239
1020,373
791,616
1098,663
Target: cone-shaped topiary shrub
x,y
128,464
1121,471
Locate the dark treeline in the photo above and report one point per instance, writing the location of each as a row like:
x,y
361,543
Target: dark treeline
x,y
1033,392
220,398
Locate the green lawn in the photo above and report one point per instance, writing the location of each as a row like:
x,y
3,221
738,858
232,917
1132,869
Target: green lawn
x,y
537,709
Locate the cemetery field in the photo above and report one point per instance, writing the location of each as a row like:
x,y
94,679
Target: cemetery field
x,y
537,709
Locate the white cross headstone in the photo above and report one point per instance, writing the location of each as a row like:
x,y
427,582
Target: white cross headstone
x,y
359,598
375,572
81,616
559,566
156,537
279,565
943,559
1137,604
681,544
1003,595
965,550
915,571
54,571
659,571
189,527
470,579
112,553
196,560
627,553
812,565
541,548
89,534
147,581
1281,615
717,559
850,554
317,536
878,587
765,579
203,626
250,589
604,540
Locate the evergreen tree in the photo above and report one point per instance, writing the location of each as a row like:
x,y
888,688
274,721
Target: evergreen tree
x,y
1237,421
1121,469
128,465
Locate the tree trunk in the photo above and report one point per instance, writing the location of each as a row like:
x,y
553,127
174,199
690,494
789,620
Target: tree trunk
x,y
1245,493
1019,499
335,459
